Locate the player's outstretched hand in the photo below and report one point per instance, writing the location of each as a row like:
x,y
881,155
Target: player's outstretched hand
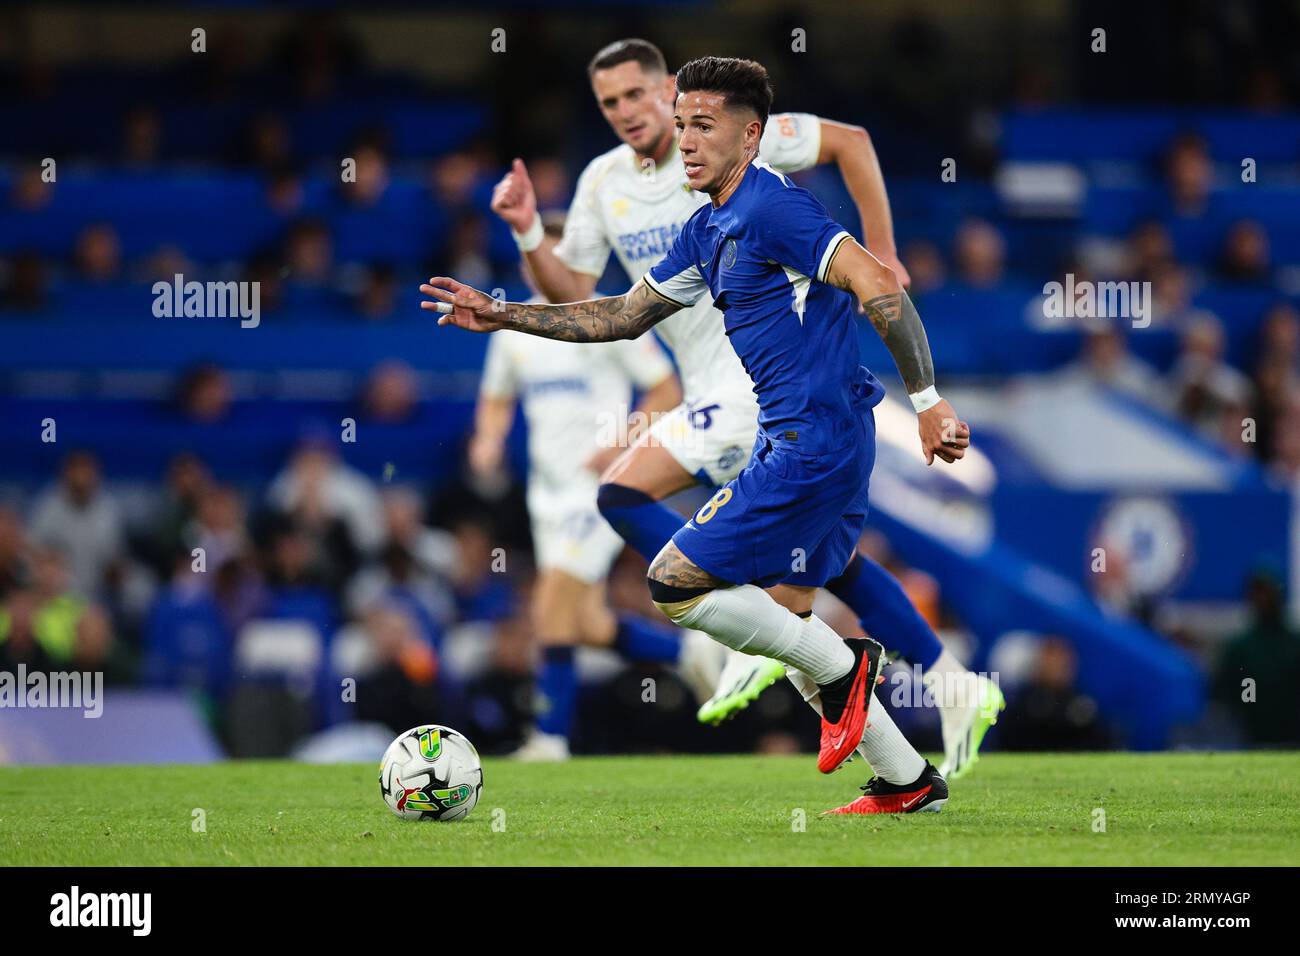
x,y
461,305
514,200
943,434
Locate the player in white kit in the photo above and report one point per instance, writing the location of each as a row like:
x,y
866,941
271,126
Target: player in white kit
x,y
576,399
632,201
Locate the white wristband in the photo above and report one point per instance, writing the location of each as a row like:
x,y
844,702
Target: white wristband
x,y
926,398
532,236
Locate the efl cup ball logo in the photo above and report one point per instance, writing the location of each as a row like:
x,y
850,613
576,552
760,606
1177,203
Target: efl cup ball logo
x,y
431,744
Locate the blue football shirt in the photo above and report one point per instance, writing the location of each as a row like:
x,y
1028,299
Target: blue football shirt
x,y
763,254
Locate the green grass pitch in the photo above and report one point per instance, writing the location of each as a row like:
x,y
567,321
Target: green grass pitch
x,y
1164,809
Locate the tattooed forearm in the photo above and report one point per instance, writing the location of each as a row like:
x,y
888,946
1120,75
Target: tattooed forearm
x,y
898,325
595,320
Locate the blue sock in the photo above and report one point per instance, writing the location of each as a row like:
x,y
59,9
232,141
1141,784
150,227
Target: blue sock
x,y
885,610
558,684
642,640
641,521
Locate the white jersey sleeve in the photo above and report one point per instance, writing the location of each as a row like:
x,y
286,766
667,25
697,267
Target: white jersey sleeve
x,y
643,360
500,378
791,141
584,246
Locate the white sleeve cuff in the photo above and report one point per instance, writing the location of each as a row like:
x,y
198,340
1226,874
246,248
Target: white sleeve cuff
x,y
927,398
531,238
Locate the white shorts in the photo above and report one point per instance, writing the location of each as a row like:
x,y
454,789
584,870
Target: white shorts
x,y
570,535
712,437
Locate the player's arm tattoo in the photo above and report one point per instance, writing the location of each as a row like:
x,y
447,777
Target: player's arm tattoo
x,y
594,320
896,322
884,302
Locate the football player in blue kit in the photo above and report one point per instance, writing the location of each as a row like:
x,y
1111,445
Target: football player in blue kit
x,y
778,267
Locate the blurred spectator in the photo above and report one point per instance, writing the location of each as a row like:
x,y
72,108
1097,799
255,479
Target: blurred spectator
x,y
482,592
925,265
494,499
265,143
218,527
499,700
1149,249
1189,174
1115,591
186,485
1265,89
294,585
30,192
1049,713
281,650
97,256
78,518
141,137
267,272
414,566
163,264
1171,295
319,489
26,284
1258,677
1105,362
1284,454
467,250
1245,256
1275,377
979,253
1279,337
309,253
284,191
399,688
550,183
371,176
391,394
13,552
47,625
454,178
204,395
317,53
434,550
1206,392
187,640
221,71
378,296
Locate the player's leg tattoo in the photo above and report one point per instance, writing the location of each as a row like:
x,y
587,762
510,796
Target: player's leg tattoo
x,y
674,569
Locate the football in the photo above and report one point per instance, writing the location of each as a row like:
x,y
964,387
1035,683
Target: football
x,y
431,772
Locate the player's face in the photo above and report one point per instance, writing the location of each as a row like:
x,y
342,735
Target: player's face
x,y
714,139
637,104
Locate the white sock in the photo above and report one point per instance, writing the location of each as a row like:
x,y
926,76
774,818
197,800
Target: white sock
x,y
746,619
883,746
887,750
953,686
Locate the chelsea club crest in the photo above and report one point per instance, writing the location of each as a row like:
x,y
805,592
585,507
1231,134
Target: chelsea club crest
x,y
729,254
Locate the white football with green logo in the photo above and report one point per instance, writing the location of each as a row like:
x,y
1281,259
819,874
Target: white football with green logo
x,y
431,772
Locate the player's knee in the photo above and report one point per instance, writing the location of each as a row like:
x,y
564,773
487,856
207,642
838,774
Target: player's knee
x,y
679,605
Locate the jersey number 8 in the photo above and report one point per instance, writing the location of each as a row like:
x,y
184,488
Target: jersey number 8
x,y
712,505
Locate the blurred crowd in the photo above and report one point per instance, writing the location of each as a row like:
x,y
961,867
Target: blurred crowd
x,y
327,599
